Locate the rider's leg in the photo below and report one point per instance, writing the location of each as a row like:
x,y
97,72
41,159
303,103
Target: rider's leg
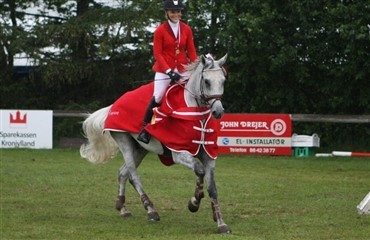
x,y
144,136
161,83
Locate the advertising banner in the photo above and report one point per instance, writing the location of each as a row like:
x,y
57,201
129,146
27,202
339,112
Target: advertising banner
x,y
26,129
261,134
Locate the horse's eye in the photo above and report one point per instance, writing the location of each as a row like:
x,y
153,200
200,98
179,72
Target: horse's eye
x,y
207,83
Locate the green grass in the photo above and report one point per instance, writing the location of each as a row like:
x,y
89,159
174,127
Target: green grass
x,y
54,194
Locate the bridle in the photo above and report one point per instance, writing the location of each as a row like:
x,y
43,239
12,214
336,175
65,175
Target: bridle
x,y
203,98
206,98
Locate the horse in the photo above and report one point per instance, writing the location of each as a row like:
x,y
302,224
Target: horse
x,y
203,90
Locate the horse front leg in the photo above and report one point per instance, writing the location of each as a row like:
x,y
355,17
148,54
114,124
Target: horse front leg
x,y
189,161
194,202
212,191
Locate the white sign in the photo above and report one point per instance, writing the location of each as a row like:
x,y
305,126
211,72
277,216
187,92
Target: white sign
x,y
26,129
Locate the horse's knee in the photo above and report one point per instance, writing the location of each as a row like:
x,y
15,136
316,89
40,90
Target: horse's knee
x,y
199,170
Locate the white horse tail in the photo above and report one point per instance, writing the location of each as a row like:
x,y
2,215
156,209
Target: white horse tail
x,y
100,146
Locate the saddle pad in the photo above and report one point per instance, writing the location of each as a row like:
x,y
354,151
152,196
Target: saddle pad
x,y
127,113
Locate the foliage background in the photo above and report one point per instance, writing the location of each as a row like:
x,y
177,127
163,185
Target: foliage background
x,y
284,57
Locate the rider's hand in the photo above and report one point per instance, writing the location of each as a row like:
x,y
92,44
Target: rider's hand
x,y
174,76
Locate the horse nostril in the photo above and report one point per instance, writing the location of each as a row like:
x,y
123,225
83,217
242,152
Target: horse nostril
x,y
217,109
217,114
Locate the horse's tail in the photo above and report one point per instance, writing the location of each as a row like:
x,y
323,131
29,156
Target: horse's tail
x,y
100,146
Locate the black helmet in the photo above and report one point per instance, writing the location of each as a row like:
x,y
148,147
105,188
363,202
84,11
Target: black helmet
x,y
173,5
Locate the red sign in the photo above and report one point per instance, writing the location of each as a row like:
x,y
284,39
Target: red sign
x,y
263,134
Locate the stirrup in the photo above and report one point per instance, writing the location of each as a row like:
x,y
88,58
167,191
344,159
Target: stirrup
x,y
144,136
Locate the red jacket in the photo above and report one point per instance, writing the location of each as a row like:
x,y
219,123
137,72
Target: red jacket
x,y
165,45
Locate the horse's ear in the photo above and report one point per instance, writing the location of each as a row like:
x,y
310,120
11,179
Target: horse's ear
x,y
206,61
221,63
222,60
203,59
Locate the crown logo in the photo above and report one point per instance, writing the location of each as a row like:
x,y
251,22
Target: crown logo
x,y
18,118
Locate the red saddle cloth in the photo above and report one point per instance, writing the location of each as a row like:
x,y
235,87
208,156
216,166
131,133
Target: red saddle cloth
x,y
127,112
178,126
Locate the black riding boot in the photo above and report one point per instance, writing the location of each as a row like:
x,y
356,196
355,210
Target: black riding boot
x,y
144,136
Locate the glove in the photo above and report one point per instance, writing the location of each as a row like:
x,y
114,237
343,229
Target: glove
x,y
174,76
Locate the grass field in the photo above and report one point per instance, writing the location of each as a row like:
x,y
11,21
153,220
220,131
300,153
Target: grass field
x,y
54,194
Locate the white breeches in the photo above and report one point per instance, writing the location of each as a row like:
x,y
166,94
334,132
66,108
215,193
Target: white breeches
x,y
161,82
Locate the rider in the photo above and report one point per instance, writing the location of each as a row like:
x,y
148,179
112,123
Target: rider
x,y
173,47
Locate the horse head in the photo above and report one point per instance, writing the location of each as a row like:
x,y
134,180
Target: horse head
x,y
212,80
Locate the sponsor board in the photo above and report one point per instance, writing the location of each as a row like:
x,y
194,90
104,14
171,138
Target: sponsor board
x,y
262,134
26,129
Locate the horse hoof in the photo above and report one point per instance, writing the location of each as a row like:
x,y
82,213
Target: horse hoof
x,y
192,205
224,229
126,214
153,216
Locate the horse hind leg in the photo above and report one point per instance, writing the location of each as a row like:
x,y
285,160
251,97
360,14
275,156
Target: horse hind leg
x,y
133,155
148,205
121,199
120,206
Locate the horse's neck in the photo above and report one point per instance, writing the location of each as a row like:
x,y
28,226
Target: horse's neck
x,y
189,97
192,90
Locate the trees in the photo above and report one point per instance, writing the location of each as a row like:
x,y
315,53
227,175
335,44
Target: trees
x,y
12,35
83,50
296,57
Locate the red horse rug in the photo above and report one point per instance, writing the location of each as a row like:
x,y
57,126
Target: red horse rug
x,y
176,125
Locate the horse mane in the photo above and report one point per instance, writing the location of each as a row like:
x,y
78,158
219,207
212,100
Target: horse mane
x,y
191,67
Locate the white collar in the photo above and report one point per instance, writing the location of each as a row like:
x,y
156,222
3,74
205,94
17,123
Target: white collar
x,y
174,27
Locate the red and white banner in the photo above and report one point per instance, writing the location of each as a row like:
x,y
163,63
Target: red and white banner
x,y
262,134
350,154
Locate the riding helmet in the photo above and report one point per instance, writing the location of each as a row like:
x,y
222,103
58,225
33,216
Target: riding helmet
x,y
173,5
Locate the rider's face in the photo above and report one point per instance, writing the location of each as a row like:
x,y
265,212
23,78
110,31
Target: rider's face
x,y
174,15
